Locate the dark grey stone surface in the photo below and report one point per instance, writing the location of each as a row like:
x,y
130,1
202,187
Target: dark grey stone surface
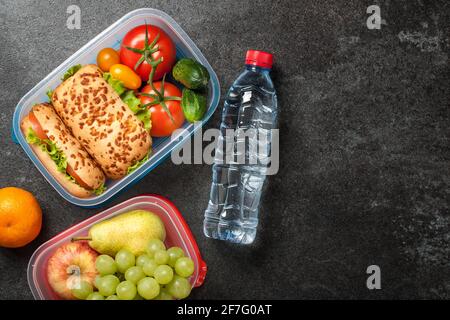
x,y
365,172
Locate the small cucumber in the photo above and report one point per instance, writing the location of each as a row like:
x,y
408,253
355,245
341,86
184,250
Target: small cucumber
x,y
193,104
191,74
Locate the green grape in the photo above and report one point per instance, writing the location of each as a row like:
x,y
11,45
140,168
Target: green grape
x,y
142,259
164,295
96,280
134,274
149,267
184,267
83,290
161,257
179,287
125,259
112,297
155,245
163,274
148,288
174,254
126,290
107,285
105,265
95,296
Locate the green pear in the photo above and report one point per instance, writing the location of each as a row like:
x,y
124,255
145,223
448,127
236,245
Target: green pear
x,y
132,230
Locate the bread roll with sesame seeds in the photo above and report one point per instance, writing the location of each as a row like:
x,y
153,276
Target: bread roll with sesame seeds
x,y
46,124
101,121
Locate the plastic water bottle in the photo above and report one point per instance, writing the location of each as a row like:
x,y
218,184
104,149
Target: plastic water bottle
x,y
250,108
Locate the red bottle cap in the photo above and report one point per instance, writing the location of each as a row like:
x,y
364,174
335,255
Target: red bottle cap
x,y
259,58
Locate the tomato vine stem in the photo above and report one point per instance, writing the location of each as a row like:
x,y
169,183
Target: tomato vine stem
x,y
147,56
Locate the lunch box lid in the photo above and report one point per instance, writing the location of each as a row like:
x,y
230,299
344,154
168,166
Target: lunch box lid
x,y
178,234
111,37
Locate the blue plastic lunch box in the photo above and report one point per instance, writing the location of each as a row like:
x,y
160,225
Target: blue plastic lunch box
x,y
111,37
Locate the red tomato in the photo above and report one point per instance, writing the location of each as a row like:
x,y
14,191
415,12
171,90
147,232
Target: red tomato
x,y
40,133
162,124
77,178
135,38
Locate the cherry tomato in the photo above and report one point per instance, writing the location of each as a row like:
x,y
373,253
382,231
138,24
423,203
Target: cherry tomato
x,y
125,74
162,124
135,38
106,58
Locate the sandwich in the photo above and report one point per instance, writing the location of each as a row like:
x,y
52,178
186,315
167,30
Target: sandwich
x,y
104,125
61,153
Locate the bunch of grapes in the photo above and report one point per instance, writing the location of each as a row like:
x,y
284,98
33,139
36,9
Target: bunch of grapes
x,y
159,274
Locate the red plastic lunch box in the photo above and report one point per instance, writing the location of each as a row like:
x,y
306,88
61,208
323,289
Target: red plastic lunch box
x,y
178,234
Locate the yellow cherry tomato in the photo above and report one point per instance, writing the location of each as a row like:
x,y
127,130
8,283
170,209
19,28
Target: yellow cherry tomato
x,y
125,74
106,58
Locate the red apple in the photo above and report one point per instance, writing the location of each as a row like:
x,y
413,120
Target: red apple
x,y
70,264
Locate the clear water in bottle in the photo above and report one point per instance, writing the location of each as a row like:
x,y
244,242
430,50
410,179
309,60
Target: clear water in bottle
x,y
243,153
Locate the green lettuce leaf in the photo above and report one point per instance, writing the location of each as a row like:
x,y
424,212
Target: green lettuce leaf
x,y
49,94
99,190
49,147
137,164
145,116
129,98
117,85
132,101
56,155
71,71
32,138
